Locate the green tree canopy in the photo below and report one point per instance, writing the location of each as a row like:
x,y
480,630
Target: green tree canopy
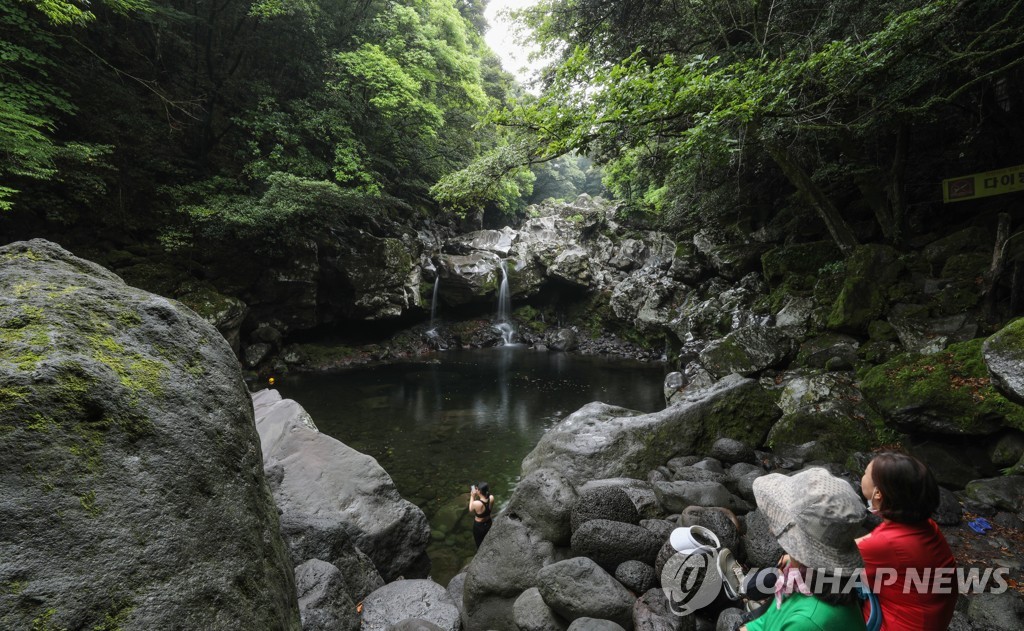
x,y
694,105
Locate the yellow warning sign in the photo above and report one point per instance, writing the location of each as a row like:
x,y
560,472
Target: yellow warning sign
x,y
986,184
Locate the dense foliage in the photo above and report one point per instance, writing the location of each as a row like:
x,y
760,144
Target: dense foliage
x,y
237,118
724,109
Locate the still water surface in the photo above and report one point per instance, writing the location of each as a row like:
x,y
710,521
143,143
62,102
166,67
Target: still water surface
x,y
441,423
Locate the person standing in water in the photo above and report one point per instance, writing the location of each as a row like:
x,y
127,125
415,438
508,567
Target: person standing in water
x,y
480,503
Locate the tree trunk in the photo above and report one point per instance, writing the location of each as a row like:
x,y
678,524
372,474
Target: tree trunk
x,y
998,256
1015,287
897,176
869,187
816,197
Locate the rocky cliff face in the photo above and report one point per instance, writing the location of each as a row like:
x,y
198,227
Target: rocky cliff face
x,y
132,491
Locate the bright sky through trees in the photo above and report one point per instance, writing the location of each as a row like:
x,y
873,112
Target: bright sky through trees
x,y
503,39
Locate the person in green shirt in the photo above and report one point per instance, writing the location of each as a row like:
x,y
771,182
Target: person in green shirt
x,y
816,517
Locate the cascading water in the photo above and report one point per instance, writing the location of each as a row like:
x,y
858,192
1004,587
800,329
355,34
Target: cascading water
x,y
433,304
504,324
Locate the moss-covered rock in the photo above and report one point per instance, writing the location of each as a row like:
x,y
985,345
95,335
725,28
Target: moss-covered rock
x,y
969,267
828,410
968,240
747,350
801,259
224,312
384,281
869,272
134,471
948,392
836,435
1004,357
833,349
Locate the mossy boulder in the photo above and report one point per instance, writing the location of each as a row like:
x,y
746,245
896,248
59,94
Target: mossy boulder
x,y
869,272
949,392
968,267
1004,356
831,350
132,490
968,240
801,259
729,252
829,410
747,350
382,277
224,312
475,277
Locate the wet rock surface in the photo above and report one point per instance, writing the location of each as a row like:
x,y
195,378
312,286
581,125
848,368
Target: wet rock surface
x,y
138,491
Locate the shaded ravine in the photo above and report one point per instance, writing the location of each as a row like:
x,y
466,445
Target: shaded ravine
x,y
439,424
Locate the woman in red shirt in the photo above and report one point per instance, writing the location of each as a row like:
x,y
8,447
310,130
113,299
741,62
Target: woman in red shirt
x,y
907,561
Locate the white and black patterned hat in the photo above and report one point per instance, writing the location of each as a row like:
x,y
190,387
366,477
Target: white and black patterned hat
x,y
815,516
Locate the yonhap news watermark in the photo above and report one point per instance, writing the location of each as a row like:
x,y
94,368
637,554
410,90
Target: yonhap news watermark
x,y
693,580
943,580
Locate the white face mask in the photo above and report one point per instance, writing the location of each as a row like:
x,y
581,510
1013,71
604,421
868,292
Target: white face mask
x,y
871,509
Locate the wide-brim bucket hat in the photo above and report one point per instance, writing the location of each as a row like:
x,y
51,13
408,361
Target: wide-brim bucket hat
x,y
815,516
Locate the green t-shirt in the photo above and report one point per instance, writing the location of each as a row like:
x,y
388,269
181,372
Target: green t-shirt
x,y
806,613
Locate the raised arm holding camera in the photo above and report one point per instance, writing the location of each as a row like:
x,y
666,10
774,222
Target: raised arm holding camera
x,y
480,503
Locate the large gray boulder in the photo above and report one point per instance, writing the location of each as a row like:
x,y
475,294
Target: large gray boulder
x,y
533,614
646,298
422,599
496,241
133,489
579,588
315,475
506,564
469,278
323,599
747,350
1004,356
716,309
380,272
827,408
1006,492
604,441
322,539
543,501
574,266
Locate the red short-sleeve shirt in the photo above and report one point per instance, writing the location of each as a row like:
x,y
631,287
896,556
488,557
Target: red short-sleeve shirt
x,y
902,553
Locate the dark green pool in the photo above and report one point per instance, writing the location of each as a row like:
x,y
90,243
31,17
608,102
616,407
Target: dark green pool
x,y
443,422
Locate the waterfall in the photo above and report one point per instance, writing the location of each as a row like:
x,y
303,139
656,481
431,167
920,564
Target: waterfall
x,y
433,301
505,308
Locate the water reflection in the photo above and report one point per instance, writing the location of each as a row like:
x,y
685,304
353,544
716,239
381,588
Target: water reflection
x,y
440,424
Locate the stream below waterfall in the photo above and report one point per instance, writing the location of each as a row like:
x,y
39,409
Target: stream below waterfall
x,y
446,421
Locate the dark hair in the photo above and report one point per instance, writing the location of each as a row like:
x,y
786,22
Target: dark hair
x,y
484,489
910,493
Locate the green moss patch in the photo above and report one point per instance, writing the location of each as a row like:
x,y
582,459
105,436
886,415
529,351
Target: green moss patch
x,y
953,385
870,272
802,259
